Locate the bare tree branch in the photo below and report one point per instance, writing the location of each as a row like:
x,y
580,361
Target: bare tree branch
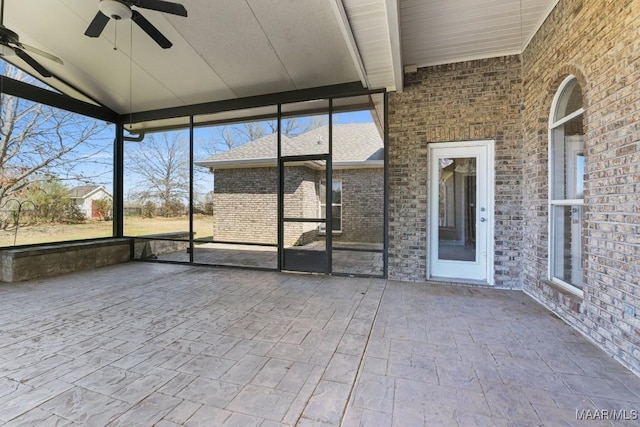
x,y
162,163
38,141
231,136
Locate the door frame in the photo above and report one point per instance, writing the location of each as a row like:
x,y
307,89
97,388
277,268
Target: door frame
x,y
291,259
432,210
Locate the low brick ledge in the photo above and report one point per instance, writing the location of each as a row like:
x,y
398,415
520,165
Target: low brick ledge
x,y
50,259
56,247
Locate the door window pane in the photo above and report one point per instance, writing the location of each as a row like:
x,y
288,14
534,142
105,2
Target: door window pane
x,y
457,209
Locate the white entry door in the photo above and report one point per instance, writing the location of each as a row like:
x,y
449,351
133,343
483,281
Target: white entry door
x,y
461,211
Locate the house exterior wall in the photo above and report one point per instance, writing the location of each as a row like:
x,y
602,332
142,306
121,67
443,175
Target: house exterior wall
x,y
597,42
362,205
86,205
245,205
477,100
300,201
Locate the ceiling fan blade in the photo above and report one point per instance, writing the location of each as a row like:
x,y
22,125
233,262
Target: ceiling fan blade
x,y
40,52
33,63
152,31
161,6
97,25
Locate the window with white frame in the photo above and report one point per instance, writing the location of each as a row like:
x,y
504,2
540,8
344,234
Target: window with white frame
x,y
566,182
336,204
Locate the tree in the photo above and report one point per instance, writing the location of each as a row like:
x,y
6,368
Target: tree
x,y
162,164
50,202
103,208
295,126
231,136
38,141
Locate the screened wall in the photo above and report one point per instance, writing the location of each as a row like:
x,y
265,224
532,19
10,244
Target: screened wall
x,y
291,181
241,187
56,166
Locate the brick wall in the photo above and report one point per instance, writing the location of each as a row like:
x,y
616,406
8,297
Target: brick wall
x,y
598,42
466,101
362,205
245,205
300,201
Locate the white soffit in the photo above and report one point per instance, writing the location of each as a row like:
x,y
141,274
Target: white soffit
x,y
374,34
447,31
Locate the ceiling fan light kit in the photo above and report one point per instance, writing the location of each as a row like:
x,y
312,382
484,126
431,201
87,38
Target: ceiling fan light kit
x,y
114,9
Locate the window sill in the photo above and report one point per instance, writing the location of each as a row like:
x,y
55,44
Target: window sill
x,y
567,288
565,295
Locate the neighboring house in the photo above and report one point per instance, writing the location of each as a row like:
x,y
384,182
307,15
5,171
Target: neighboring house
x,y
245,201
85,196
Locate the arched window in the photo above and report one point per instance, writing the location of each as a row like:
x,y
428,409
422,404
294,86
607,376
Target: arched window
x,y
566,182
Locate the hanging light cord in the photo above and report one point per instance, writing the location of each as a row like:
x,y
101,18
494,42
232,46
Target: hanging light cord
x,y
131,76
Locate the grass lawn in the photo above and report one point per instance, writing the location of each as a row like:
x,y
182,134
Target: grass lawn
x,y
133,226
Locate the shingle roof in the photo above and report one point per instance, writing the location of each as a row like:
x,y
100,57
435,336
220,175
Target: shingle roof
x,y
355,142
82,191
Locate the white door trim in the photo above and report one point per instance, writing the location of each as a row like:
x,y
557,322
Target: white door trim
x,y
432,209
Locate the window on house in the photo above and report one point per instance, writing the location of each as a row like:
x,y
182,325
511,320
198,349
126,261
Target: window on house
x,y
566,182
336,204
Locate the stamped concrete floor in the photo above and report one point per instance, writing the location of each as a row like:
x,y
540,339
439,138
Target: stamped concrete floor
x,y
157,344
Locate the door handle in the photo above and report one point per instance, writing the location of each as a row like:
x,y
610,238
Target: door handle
x,y
483,219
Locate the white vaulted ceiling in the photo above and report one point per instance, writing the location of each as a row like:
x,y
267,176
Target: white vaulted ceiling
x,y
228,49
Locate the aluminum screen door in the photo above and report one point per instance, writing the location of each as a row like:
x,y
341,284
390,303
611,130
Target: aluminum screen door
x,y
305,220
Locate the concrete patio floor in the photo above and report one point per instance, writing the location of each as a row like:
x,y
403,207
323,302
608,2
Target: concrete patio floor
x,y
158,344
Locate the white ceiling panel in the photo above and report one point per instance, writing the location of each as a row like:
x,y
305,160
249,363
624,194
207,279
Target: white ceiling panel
x,y
305,35
232,41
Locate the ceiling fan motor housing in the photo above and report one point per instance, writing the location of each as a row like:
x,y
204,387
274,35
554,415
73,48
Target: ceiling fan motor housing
x,y
115,9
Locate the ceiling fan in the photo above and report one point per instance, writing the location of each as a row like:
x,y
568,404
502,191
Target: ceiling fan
x,y
121,9
10,45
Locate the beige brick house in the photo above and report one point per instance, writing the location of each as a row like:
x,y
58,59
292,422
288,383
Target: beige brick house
x,y
245,190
